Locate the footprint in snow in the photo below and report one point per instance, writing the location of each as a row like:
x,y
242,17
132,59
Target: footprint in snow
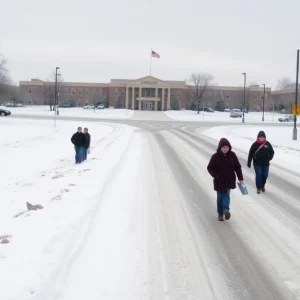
x,y
57,176
56,198
85,170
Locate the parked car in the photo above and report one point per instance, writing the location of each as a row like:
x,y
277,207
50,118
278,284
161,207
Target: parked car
x,y
286,118
101,106
208,109
226,110
12,104
235,113
89,106
4,112
65,105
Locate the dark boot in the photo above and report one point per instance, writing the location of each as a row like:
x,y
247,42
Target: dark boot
x,y
220,218
227,214
258,191
263,189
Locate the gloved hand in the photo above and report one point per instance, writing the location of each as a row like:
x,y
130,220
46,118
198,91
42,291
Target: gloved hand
x,y
249,165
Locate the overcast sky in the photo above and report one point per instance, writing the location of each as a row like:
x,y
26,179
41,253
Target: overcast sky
x,y
94,41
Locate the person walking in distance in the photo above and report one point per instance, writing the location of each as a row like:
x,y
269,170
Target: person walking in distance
x,y
87,143
78,140
262,153
224,166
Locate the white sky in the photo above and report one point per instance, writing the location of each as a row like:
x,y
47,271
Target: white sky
x,y
94,41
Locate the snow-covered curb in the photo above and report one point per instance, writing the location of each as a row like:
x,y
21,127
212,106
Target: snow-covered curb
x,y
79,112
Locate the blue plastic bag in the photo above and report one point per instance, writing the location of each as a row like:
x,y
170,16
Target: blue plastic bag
x,y
243,188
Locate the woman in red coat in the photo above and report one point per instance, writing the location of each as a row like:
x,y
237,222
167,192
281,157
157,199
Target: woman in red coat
x,y
224,166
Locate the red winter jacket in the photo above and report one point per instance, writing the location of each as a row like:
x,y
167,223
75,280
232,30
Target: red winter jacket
x,y
224,169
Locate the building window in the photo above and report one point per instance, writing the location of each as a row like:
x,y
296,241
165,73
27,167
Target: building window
x,y
80,91
227,97
73,91
66,91
86,92
29,90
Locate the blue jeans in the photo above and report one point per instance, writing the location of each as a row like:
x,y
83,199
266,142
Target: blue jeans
x,y
78,154
85,153
223,202
262,173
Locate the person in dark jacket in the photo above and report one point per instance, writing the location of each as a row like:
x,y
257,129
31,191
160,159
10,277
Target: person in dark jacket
x,y
87,143
224,166
78,139
262,153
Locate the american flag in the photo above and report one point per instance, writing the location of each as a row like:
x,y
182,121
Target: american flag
x,y
154,54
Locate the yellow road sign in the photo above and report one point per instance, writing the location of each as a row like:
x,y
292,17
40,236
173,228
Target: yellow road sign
x,y
296,110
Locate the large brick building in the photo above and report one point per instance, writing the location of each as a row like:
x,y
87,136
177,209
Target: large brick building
x,y
147,93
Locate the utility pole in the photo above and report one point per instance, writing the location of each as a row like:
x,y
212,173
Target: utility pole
x,y
296,99
263,117
244,97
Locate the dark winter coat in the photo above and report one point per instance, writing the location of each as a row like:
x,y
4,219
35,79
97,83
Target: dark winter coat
x,y
87,140
78,139
224,169
263,156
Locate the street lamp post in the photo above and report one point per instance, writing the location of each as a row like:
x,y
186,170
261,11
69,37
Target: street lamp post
x,y
55,96
263,116
245,75
296,99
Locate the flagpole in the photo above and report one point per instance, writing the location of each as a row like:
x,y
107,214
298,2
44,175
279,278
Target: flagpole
x,y
150,61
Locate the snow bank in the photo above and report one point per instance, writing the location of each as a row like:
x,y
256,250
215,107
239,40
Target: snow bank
x,y
43,110
37,166
287,151
188,115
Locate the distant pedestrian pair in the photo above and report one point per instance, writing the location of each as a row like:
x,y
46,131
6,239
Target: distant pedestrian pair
x,y
224,166
81,141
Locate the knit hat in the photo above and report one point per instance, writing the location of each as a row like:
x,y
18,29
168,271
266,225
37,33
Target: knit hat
x,y
261,134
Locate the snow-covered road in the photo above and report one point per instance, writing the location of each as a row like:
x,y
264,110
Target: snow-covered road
x,y
156,236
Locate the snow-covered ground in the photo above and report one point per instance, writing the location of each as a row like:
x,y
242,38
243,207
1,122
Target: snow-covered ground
x,y
138,219
188,115
287,151
43,110
37,166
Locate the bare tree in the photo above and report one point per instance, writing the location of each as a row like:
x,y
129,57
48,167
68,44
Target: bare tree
x,y
49,89
97,98
253,83
283,83
4,78
198,85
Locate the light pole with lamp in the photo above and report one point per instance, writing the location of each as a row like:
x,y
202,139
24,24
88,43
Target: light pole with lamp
x,y
245,75
263,116
295,131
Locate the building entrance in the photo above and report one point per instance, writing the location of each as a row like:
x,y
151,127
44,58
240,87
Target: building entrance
x,y
147,105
